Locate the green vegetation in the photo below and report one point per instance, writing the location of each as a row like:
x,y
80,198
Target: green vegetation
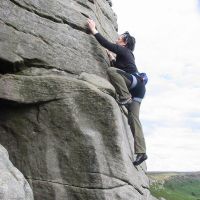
x,y
176,187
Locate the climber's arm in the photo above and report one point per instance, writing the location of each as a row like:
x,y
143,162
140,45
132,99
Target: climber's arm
x,y
108,45
104,42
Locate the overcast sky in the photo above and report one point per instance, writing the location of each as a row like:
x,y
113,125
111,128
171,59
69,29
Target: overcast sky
x,y
167,36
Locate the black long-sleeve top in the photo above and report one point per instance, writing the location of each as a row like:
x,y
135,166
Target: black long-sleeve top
x,y
125,59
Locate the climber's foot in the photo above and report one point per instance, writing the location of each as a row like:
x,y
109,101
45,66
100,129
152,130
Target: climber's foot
x,y
141,157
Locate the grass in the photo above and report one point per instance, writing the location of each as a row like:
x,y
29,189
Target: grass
x,y
177,188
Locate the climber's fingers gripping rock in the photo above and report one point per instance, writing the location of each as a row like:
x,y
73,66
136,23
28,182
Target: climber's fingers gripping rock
x,y
92,26
111,55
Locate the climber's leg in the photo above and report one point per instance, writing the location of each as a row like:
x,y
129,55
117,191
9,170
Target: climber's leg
x,y
121,81
136,127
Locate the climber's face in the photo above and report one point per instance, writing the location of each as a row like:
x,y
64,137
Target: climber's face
x,y
120,41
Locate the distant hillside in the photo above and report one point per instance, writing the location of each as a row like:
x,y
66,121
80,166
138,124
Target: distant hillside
x,y
175,185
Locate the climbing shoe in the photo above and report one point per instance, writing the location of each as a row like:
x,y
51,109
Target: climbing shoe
x,y
124,101
141,157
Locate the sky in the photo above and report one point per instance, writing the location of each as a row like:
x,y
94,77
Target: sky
x,y
167,48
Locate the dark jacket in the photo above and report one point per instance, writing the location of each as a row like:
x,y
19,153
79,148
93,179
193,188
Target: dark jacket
x,y
125,59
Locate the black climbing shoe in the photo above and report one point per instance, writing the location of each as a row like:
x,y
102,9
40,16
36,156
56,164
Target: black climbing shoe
x,y
141,157
124,101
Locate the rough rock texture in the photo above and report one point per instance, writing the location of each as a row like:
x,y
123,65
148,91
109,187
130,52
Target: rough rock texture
x,y
110,2
53,34
59,121
11,179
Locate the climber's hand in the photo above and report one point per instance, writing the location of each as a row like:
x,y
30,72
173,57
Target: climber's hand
x,y
92,26
108,53
111,55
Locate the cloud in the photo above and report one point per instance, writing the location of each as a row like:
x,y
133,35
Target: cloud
x,y
167,49
174,149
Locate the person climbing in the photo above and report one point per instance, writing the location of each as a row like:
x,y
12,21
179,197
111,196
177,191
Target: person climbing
x,y
128,82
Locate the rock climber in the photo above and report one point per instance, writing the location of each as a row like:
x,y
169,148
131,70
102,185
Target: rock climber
x,y
129,85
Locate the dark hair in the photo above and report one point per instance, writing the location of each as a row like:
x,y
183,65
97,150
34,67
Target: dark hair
x,y
130,40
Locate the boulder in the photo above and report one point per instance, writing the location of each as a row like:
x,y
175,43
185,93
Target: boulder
x,y
101,83
13,185
68,138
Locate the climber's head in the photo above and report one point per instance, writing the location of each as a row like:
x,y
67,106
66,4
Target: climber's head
x,y
126,40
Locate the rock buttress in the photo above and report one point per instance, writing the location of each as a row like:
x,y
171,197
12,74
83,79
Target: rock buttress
x,y
58,120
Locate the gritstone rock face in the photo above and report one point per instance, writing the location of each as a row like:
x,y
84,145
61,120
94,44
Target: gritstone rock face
x,y
58,119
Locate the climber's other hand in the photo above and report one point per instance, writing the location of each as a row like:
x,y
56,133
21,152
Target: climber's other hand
x,y
111,55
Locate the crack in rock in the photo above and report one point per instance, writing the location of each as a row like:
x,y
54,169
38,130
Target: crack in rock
x,y
18,103
84,5
127,183
56,19
89,188
38,36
